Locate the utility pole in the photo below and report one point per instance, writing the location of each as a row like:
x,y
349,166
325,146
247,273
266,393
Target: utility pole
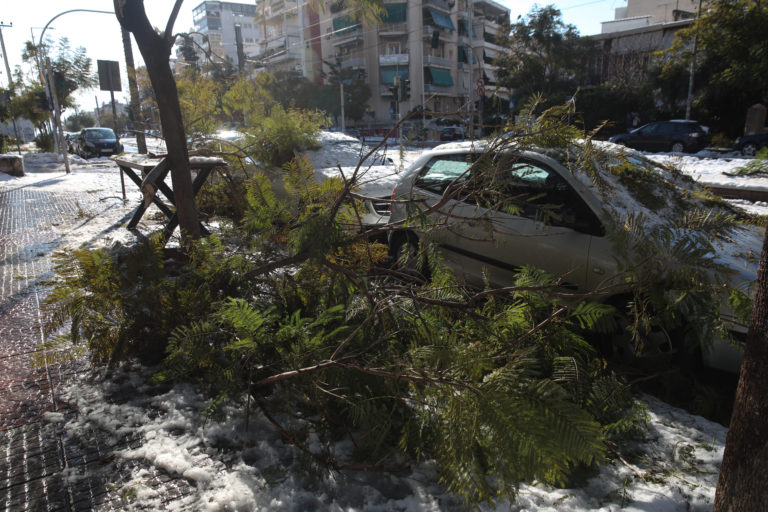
x,y
341,89
134,110
57,116
689,98
10,85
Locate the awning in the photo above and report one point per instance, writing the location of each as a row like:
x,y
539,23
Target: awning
x,y
441,20
394,13
441,77
465,24
344,24
388,74
464,54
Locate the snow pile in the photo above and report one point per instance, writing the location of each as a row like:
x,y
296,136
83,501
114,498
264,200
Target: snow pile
x,y
674,465
713,172
376,177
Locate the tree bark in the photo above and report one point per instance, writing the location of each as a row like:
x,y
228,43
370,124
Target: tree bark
x,y
133,110
156,49
742,483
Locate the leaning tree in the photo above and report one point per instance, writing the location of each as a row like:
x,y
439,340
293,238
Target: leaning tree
x,y
155,48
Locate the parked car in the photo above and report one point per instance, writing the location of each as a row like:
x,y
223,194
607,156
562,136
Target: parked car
x,y
677,136
749,145
546,213
452,133
92,142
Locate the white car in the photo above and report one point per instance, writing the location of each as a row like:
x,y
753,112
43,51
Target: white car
x,y
492,212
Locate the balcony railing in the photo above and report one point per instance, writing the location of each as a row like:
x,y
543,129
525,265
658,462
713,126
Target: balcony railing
x,y
394,59
430,60
394,29
440,4
353,62
437,89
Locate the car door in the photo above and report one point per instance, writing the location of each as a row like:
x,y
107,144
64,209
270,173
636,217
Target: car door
x,y
526,213
539,221
647,137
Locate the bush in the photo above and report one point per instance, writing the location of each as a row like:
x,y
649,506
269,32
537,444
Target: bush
x,y
45,142
721,140
295,313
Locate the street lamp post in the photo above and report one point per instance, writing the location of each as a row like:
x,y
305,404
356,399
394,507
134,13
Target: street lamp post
x,y
52,88
10,85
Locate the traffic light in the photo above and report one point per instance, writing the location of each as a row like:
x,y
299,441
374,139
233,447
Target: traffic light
x,y
405,89
394,90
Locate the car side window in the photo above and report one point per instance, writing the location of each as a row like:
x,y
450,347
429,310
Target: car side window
x,y
536,192
442,171
649,129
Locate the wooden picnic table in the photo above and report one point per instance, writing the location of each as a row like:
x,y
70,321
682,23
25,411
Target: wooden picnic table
x,y
153,170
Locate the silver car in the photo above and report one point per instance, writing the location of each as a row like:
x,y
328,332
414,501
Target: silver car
x,y
491,212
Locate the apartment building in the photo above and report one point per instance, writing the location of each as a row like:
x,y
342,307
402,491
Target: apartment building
x,y
442,47
221,24
644,13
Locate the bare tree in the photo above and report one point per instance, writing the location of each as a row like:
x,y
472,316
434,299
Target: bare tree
x,y
155,48
741,486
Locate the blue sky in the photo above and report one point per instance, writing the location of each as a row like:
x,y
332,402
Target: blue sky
x,y
100,33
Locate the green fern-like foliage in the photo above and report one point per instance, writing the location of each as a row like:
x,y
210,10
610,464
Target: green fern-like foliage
x,y
291,311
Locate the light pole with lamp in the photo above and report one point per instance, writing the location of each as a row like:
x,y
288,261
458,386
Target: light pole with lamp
x,y
51,87
10,85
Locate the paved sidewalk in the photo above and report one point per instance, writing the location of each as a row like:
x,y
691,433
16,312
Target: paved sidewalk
x,y
44,465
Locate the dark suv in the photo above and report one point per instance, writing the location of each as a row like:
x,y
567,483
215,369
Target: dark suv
x,y
675,136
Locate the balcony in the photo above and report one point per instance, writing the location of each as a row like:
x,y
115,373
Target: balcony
x,y
439,4
397,59
490,8
438,89
353,62
282,56
393,29
347,37
430,60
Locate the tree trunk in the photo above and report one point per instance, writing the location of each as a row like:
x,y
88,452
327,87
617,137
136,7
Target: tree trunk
x,y
742,484
133,109
156,49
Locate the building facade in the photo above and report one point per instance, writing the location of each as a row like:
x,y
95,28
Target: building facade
x,y
222,25
643,13
443,49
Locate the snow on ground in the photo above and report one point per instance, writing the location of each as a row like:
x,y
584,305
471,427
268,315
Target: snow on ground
x,y
672,467
709,168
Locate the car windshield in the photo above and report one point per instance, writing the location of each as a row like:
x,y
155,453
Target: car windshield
x,y
442,171
102,133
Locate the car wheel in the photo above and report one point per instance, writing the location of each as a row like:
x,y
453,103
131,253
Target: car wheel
x,y
677,147
749,149
652,346
407,258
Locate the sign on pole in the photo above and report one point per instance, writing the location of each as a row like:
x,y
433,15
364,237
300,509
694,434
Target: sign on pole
x,y
480,87
109,75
